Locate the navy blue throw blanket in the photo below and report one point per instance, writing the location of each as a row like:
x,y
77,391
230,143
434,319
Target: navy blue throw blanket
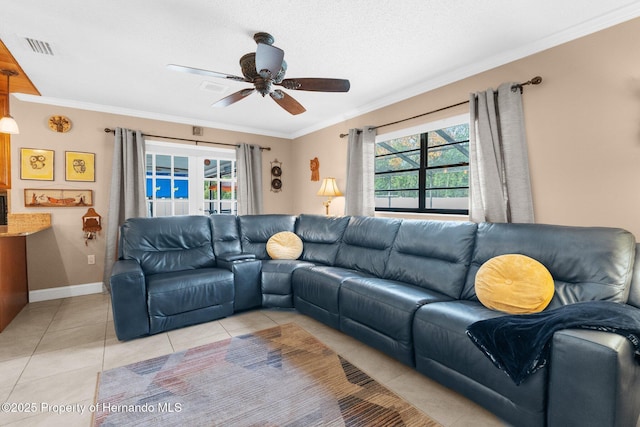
x,y
519,344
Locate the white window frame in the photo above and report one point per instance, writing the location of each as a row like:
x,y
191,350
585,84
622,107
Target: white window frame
x,y
196,154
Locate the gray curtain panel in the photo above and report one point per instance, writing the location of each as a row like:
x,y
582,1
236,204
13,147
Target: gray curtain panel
x,y
249,167
127,198
359,194
500,186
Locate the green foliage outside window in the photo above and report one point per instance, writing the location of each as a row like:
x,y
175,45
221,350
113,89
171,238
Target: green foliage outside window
x,y
439,158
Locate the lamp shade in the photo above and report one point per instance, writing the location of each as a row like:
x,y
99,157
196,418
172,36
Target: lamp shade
x,y
269,58
9,125
329,188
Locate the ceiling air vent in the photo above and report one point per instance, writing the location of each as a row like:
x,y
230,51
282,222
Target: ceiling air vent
x,y
212,87
39,46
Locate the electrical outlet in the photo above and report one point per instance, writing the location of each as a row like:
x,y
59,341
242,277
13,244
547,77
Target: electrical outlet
x,y
91,259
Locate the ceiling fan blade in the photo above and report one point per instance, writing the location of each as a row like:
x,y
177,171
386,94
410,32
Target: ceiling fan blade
x,y
201,72
234,97
317,84
268,59
287,102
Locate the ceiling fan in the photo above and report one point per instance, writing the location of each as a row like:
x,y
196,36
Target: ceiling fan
x,y
265,69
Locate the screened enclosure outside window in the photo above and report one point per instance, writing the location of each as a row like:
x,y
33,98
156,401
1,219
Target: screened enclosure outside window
x,y
424,171
220,186
183,180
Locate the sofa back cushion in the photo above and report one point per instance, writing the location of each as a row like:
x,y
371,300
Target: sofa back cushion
x,y
168,244
366,244
226,237
586,263
255,231
321,237
634,291
432,254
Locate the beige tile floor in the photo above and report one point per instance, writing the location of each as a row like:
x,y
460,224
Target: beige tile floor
x,y
51,353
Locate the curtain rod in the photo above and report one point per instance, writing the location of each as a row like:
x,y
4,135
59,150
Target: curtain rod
x,y
534,81
107,130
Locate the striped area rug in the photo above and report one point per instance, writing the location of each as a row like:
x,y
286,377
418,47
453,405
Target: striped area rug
x,y
281,376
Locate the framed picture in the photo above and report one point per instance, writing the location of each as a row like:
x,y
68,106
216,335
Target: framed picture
x,y
36,164
49,198
80,166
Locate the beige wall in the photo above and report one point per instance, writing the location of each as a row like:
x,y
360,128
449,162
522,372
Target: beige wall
x,y
58,257
583,130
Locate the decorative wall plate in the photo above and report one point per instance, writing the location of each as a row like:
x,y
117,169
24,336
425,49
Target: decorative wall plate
x,y
59,123
276,176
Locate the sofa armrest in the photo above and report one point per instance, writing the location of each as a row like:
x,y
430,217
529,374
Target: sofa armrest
x,y
246,278
232,257
593,381
129,300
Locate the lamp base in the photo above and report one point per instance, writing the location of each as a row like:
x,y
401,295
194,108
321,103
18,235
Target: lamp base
x,y
326,206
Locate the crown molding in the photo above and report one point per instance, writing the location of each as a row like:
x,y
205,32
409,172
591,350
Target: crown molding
x,y
69,103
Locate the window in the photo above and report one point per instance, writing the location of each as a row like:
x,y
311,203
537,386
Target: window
x,y
220,186
188,180
424,169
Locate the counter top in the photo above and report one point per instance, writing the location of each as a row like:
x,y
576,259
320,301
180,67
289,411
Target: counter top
x,y
21,230
25,224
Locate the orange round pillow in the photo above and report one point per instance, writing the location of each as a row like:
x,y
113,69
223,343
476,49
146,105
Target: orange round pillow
x,y
515,284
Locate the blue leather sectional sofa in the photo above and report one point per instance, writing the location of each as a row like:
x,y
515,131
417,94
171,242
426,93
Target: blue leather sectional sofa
x,y
405,287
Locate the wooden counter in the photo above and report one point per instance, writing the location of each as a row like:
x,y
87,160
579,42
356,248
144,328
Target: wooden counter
x,y
14,289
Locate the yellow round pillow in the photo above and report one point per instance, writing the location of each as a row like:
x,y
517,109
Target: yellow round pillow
x,y
284,245
515,284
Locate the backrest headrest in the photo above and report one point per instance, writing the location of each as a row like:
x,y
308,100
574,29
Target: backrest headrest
x,y
366,244
634,290
321,237
586,263
432,254
255,231
226,238
168,244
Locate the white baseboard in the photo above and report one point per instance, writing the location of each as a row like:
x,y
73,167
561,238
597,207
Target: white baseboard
x,y
65,292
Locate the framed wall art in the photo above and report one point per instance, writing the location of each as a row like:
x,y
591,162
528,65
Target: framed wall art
x,y
50,198
36,164
80,166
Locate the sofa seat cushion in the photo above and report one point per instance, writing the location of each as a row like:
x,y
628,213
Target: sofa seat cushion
x,y
441,343
183,291
380,313
277,290
316,289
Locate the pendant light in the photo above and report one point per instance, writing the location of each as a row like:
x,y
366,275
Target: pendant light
x,y
7,123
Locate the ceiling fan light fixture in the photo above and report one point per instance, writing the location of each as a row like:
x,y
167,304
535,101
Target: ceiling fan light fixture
x,y
268,60
8,123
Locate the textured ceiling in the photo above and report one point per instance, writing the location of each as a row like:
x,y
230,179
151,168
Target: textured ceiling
x,y
112,55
